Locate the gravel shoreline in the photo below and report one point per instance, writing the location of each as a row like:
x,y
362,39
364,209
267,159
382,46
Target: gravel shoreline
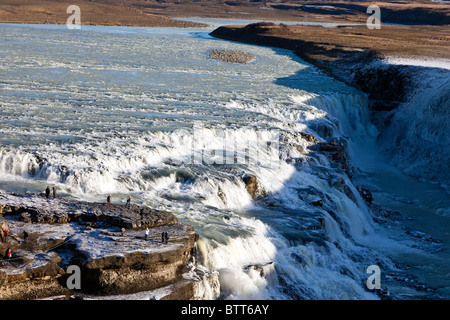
x,y
231,56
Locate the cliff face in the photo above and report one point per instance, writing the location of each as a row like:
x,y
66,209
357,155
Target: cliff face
x,y
108,245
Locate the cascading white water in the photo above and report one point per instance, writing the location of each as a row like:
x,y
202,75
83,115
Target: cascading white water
x,y
158,120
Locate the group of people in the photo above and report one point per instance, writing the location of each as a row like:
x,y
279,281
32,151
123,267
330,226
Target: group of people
x,y
47,192
164,236
108,200
4,234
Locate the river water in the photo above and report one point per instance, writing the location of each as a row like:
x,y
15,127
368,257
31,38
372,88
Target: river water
x,y
144,112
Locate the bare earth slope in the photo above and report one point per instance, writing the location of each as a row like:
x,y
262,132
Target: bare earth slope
x,y
92,13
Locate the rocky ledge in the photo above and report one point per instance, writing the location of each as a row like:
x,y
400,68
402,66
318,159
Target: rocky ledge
x,y
231,56
105,243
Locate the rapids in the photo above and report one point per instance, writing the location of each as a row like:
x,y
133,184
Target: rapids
x,y
144,112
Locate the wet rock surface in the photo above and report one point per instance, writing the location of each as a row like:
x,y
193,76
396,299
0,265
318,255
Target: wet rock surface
x,y
106,242
51,211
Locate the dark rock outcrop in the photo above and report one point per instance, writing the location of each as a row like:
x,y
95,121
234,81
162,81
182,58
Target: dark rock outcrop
x,y
386,86
335,149
308,137
105,241
64,211
365,194
252,186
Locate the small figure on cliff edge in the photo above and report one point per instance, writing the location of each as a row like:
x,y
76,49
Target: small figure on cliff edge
x,y
108,200
5,236
166,237
8,254
163,237
47,192
146,233
129,200
54,193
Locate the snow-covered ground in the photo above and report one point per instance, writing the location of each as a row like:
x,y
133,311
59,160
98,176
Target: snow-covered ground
x,y
422,62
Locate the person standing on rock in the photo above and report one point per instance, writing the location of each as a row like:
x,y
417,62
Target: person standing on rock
x,y
166,237
162,237
146,233
54,193
8,254
47,192
108,200
129,200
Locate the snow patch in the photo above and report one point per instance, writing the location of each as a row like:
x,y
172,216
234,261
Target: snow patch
x,y
422,62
